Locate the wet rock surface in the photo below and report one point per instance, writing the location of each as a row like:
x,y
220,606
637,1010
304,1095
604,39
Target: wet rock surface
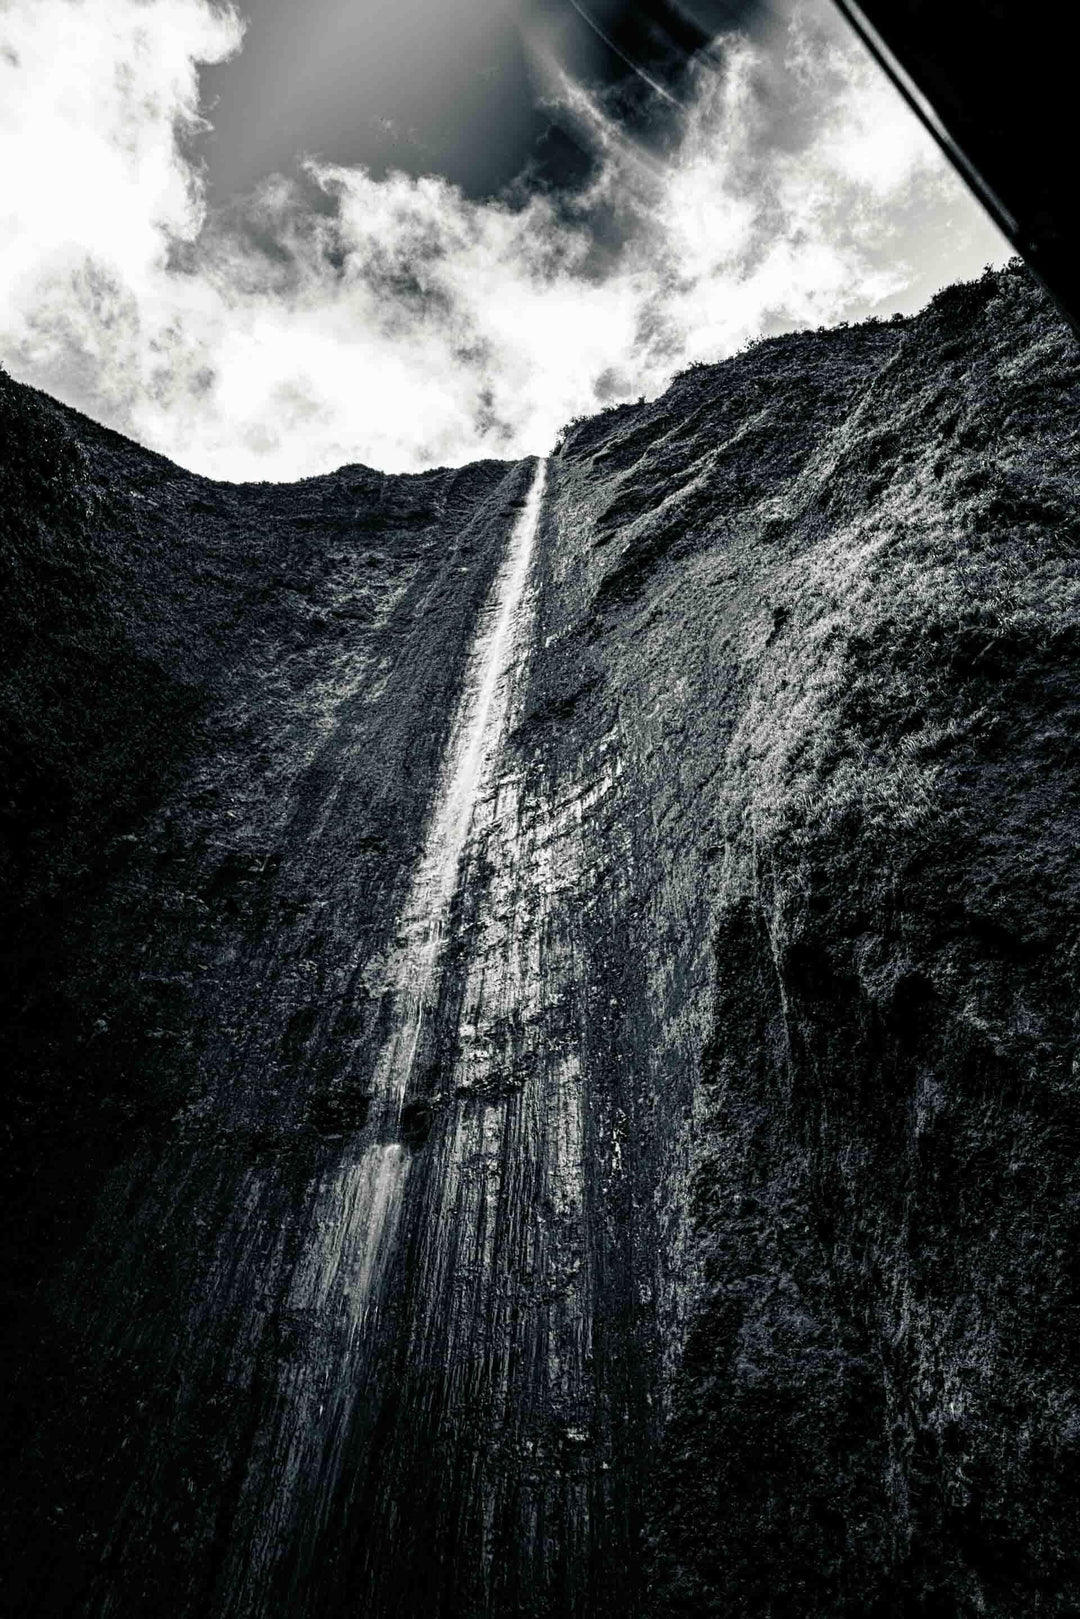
x,y
732,1266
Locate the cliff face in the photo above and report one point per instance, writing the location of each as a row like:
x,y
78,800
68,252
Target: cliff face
x,y
721,1256
832,590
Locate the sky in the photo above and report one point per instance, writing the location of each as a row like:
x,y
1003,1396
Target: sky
x,y
272,241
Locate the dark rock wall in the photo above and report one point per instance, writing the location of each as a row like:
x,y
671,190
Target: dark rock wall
x,y
831,588
188,1029
737,1265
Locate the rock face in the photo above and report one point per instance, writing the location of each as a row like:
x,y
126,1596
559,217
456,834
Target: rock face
x,y
719,1254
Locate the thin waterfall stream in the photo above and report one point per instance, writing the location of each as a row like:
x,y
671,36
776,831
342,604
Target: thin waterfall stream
x,y
341,1279
472,748
422,935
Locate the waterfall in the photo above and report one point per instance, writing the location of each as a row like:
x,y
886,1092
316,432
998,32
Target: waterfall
x,y
422,933
472,749
341,1280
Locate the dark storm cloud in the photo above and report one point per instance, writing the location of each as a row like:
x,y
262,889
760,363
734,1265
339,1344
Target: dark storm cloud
x,y
410,86
447,89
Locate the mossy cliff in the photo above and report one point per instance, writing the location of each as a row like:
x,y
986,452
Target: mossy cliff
x,y
758,1029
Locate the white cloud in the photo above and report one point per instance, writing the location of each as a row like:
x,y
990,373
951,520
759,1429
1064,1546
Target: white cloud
x,y
406,325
